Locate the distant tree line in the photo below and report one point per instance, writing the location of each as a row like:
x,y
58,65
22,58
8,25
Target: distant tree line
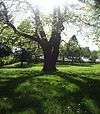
x,y
73,52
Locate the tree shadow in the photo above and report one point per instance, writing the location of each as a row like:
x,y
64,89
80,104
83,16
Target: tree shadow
x,y
88,86
19,101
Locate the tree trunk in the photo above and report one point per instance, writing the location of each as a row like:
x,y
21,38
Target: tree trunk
x,y
63,58
50,59
49,62
21,64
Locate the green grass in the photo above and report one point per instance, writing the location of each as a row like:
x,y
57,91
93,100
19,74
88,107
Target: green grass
x,y
71,90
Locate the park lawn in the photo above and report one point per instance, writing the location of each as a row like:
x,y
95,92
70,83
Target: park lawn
x,y
70,90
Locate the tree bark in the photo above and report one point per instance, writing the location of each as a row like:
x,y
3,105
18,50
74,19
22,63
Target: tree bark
x,y
49,62
63,59
21,64
50,56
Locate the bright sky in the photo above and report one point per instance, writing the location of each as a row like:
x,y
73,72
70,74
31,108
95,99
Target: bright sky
x,y
46,6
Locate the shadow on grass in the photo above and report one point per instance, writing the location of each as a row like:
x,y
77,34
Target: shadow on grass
x,y
19,101
88,86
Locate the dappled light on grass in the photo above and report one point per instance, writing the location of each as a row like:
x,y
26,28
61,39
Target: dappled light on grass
x,y
28,90
91,105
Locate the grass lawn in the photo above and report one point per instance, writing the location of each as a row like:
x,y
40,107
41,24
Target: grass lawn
x,y
71,90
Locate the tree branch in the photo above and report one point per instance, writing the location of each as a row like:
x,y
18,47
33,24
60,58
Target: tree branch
x,y
87,23
34,37
38,23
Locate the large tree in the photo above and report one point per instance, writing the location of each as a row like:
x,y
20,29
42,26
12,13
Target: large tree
x,y
49,46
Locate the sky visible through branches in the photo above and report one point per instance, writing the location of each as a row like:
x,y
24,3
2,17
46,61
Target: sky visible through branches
x,y
46,7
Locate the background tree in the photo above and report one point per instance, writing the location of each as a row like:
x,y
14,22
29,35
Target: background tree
x,y
8,38
86,52
93,56
23,55
63,52
4,51
73,50
35,49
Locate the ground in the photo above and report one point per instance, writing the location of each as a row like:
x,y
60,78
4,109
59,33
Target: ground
x,y
73,89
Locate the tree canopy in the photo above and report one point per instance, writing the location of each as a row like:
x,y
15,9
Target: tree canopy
x,y
35,32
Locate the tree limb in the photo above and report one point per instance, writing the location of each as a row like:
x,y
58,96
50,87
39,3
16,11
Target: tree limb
x,y
6,19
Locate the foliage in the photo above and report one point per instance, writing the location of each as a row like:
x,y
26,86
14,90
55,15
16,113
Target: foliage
x,y
23,55
86,52
93,56
26,26
63,51
5,50
73,50
75,53
7,36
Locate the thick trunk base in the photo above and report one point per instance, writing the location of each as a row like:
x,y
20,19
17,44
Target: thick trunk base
x,y
49,70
